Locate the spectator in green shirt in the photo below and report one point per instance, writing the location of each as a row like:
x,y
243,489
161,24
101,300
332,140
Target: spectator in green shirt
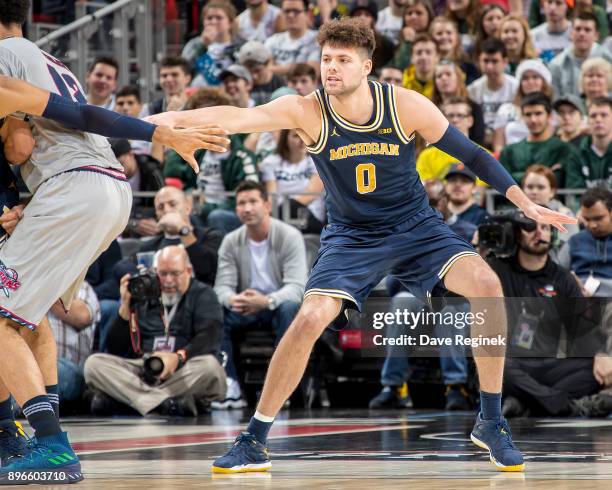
x,y
219,174
541,146
596,149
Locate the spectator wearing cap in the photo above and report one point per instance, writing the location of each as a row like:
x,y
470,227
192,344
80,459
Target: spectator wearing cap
x,y
565,67
460,186
174,78
303,79
298,44
589,252
596,149
367,12
433,163
144,175
259,21
553,35
541,146
237,82
571,114
256,58
533,76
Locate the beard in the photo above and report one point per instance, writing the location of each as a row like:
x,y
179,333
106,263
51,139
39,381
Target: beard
x,y
170,299
537,249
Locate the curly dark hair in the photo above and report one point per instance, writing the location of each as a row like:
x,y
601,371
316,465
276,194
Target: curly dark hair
x,y
347,32
13,11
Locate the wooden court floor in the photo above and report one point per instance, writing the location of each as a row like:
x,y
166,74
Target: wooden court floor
x,y
334,449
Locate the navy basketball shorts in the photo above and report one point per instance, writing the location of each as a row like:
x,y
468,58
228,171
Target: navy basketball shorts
x,y
352,261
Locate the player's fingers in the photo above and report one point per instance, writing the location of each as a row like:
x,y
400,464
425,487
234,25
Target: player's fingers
x,y
191,161
212,147
211,129
560,227
211,138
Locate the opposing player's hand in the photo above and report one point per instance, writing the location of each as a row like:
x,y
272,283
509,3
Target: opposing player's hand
x,y
548,216
186,141
10,218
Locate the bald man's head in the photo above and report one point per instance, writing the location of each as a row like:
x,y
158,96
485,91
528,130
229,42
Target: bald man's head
x,y
171,200
174,271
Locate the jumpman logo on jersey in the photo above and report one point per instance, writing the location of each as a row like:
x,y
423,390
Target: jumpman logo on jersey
x,y
334,132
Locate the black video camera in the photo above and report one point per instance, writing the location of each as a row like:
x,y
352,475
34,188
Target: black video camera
x,y
499,233
144,287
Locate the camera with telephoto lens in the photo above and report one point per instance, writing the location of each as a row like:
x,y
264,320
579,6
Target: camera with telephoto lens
x,y
499,233
144,287
153,366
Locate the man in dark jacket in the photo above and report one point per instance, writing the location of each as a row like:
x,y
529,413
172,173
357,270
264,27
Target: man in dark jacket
x,y
182,329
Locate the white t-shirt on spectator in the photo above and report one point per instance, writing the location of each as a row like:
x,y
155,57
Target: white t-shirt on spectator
x,y
389,25
550,44
210,180
490,100
288,51
263,30
292,177
261,275
509,117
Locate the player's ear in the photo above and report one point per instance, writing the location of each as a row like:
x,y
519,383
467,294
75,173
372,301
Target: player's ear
x,y
367,66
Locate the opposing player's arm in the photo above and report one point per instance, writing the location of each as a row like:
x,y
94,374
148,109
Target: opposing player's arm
x,y
288,112
19,96
417,113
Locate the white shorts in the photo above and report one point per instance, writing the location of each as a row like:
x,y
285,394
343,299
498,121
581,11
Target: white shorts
x,y
72,218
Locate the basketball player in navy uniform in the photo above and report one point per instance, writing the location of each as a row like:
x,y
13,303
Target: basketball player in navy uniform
x,y
361,137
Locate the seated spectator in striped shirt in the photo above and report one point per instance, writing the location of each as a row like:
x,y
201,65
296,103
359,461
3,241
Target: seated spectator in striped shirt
x,y
74,331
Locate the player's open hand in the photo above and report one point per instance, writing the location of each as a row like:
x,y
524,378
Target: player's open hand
x,y
545,215
186,141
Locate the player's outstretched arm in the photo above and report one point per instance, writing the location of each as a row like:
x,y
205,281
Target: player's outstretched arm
x,y
285,112
19,96
427,120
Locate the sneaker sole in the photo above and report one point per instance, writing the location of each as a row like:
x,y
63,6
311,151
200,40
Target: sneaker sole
x,y
244,468
502,467
65,475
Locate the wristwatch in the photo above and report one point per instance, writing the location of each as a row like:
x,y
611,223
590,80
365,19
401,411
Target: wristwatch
x,y
271,303
184,231
182,355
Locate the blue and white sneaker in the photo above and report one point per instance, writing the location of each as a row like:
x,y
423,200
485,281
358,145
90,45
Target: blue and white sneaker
x,y
495,437
47,460
13,440
246,455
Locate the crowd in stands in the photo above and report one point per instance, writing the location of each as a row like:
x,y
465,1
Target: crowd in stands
x,y
529,80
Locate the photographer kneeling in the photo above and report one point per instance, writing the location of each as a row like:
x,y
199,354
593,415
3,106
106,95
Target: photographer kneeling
x,y
544,300
176,321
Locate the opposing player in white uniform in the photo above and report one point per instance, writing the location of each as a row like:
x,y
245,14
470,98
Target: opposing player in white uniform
x,y
81,202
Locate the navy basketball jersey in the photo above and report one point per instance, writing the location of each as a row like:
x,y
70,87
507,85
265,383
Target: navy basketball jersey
x,y
369,171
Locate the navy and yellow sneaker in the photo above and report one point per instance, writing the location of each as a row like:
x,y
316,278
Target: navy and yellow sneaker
x,y
13,440
495,437
47,460
246,455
